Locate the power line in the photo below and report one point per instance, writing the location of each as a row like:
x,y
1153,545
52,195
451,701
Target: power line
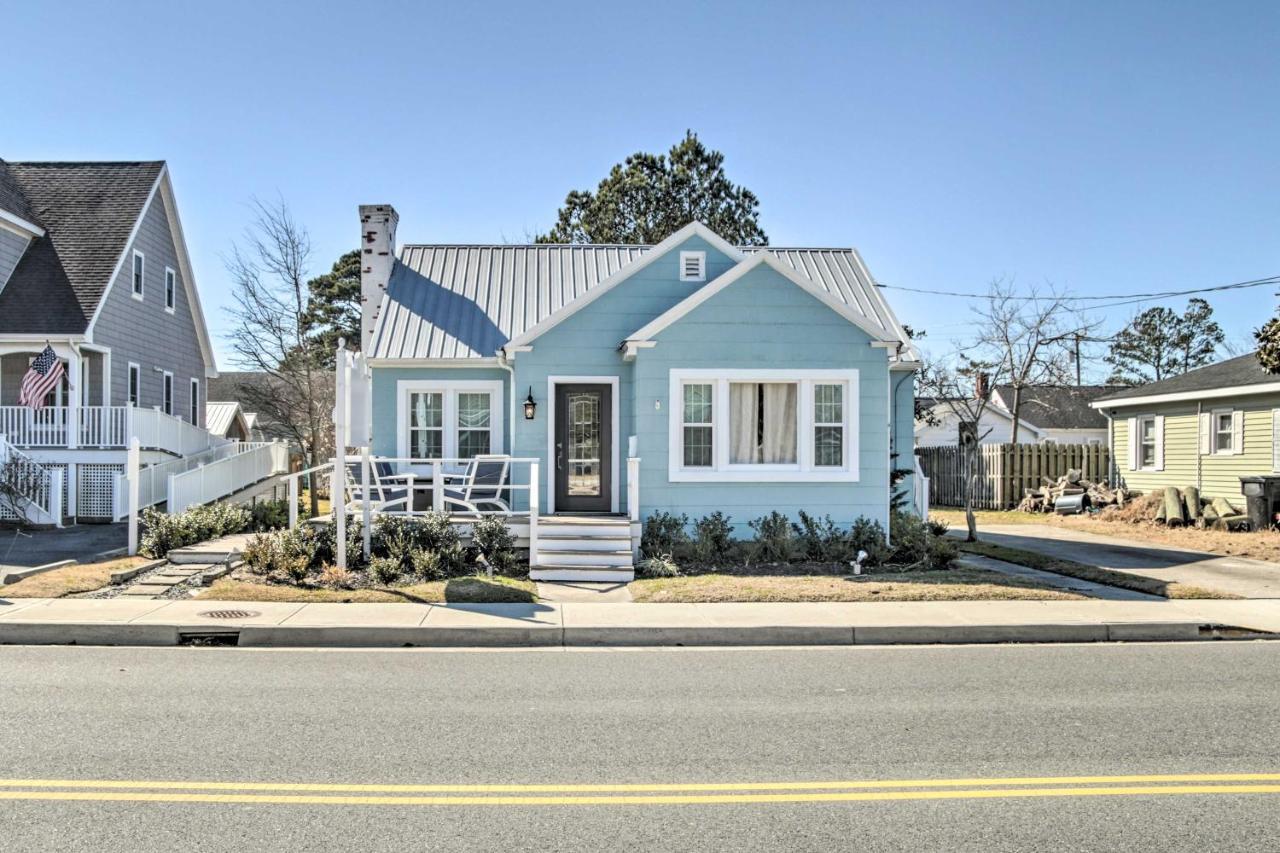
x,y
1129,298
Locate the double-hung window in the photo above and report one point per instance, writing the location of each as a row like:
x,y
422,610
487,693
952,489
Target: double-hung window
x,y
763,425
449,419
195,402
1223,436
135,384
168,393
1147,442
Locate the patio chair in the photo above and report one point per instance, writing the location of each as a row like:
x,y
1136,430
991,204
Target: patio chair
x,y
481,486
381,496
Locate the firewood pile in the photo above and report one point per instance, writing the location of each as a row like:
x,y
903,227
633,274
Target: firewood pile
x,y
1170,506
1071,484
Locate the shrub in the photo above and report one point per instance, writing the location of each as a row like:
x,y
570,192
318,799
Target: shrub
x,y
664,534
712,537
336,578
868,535
269,515
429,566
774,542
915,546
937,527
436,533
491,537
324,544
283,552
163,533
385,570
822,540
258,552
661,566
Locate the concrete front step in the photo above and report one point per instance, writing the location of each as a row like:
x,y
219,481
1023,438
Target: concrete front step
x,y
583,543
612,559
585,531
582,573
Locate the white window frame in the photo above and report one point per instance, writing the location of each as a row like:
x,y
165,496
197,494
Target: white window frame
x,y
138,275
701,258
133,385
195,402
804,470
166,393
1215,416
1155,443
711,424
170,289
449,389
842,426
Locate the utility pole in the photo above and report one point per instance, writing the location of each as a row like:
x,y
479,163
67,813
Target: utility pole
x,y
1078,383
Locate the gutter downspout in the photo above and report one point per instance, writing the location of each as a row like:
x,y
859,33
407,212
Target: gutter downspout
x,y
1199,444
506,365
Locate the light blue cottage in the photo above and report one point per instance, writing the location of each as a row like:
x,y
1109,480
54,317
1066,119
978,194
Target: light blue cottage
x,y
686,377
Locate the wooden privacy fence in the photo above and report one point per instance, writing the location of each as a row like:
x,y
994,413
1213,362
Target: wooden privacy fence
x,y
1006,471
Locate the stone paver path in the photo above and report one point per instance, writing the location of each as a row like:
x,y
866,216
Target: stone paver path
x,y
159,583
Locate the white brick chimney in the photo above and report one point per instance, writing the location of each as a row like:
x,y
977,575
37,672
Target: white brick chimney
x,y
377,256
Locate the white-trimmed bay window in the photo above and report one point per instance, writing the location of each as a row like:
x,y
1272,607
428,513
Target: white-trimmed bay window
x,y
449,419
763,425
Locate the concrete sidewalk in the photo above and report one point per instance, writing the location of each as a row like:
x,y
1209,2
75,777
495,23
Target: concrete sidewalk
x,y
1238,576
131,622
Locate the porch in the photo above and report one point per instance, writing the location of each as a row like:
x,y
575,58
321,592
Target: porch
x,y
562,546
103,428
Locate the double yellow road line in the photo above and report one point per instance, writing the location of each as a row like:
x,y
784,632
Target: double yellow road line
x,y
700,793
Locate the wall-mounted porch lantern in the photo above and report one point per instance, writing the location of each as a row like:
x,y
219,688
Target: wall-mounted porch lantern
x,y
530,407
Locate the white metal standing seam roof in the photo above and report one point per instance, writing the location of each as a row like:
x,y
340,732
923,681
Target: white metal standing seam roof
x,y
218,417
446,302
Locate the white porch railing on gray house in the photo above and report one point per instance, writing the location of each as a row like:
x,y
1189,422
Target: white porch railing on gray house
x,y
224,477
153,480
103,427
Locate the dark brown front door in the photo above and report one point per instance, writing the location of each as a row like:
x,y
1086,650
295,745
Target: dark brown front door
x,y
584,448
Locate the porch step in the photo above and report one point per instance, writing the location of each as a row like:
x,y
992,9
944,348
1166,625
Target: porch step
x,y
574,542
586,574
610,559
557,526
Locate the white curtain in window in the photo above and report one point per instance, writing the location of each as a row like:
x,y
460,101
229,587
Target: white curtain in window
x,y
780,423
744,417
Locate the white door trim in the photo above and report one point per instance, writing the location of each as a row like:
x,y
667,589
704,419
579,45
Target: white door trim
x,y
615,450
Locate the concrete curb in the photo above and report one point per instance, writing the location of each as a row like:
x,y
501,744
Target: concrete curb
x,y
20,632
23,574
123,575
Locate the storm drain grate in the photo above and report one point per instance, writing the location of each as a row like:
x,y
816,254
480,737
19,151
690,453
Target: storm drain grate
x,y
229,614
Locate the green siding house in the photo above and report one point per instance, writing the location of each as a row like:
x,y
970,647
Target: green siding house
x,y
1205,428
688,377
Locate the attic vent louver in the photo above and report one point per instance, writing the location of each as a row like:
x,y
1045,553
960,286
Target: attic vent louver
x,y
693,266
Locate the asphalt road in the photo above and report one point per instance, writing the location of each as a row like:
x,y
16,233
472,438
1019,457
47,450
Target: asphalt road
x,y
607,718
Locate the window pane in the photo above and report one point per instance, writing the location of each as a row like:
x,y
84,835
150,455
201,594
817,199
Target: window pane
x,y
472,442
828,446
426,410
697,404
697,447
473,411
426,443
828,404
744,423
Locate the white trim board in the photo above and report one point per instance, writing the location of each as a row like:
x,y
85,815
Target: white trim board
x,y
804,471
13,222
646,333
659,250
1189,396
615,453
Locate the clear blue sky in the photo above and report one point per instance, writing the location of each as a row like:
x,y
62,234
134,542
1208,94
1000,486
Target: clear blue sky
x,y
1104,147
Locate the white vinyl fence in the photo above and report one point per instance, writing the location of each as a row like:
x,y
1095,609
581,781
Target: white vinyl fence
x,y
153,481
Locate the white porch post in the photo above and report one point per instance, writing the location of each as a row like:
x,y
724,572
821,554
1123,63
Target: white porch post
x,y
135,458
633,502
534,499
293,502
339,498
74,394
367,493
437,486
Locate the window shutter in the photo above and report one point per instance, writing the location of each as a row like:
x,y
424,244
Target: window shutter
x,y
1237,432
1206,434
1133,444
1159,442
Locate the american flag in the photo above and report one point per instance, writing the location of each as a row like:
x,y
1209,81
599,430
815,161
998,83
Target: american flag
x,y
43,377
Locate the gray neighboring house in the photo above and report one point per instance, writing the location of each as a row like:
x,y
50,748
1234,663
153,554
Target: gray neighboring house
x,y
93,263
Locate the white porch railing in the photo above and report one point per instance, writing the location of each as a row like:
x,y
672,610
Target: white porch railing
x,y
223,477
104,427
41,500
153,480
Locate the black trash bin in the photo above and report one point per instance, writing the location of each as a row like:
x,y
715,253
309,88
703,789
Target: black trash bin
x,y
1260,496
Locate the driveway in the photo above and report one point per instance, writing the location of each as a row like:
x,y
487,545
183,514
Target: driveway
x,y
1238,576
38,547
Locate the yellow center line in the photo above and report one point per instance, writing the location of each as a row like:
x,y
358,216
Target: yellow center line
x,y
626,788
655,799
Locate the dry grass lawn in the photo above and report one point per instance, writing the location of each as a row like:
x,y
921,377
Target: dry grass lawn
x,y
82,577
1259,545
946,585
469,590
